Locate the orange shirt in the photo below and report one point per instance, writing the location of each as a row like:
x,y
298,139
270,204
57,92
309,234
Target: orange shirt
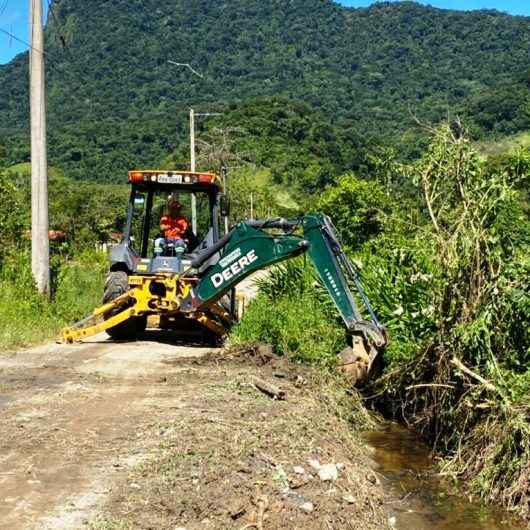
x,y
178,227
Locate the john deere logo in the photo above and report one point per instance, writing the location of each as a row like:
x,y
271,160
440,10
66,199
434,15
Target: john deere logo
x,y
234,270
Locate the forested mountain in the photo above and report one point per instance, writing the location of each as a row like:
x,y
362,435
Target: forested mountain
x,y
115,102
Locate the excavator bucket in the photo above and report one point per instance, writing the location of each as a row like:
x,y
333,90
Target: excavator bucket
x,y
354,362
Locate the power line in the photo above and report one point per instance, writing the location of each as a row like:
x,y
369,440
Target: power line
x,y
4,8
22,41
9,34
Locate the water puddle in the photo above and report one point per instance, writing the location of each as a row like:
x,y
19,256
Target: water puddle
x,y
422,501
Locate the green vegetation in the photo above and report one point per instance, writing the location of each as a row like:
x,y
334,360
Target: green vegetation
x,y
447,270
27,317
505,145
466,387
78,271
320,110
302,323
115,102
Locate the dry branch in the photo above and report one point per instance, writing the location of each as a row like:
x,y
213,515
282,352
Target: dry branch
x,y
429,385
461,366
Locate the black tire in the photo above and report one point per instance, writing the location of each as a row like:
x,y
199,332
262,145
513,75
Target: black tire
x,y
117,284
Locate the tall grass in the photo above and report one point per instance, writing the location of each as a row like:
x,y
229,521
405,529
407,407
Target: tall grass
x,y
294,315
26,317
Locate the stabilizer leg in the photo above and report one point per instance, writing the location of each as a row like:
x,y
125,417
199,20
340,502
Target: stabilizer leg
x,y
96,323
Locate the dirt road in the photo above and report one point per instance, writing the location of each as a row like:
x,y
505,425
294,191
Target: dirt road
x,y
156,435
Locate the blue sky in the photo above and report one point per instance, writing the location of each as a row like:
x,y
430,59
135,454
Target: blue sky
x,y
14,18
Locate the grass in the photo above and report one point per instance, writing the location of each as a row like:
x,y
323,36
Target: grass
x,y
24,169
28,318
294,316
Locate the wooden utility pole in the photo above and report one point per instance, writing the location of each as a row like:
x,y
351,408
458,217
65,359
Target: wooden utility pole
x,y
40,250
193,168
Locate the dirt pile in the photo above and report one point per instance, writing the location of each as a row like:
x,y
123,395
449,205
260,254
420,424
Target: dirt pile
x,y
235,457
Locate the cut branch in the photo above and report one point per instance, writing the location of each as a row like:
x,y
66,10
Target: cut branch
x,y
461,366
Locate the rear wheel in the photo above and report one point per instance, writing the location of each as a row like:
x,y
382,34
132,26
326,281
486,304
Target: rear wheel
x,y
117,284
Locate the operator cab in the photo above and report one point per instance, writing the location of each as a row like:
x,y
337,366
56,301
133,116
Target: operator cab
x,y
151,191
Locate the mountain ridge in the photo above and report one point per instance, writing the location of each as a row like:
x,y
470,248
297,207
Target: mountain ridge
x,y
113,97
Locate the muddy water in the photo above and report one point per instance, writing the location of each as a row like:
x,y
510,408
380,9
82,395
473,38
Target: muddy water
x,y
422,501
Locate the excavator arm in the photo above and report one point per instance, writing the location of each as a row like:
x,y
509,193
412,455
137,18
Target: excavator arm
x,y
255,245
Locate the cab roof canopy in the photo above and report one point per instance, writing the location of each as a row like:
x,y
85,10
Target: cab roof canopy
x,y
194,181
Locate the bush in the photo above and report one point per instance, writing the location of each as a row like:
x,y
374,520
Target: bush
x,y
399,277
294,315
12,216
465,383
358,209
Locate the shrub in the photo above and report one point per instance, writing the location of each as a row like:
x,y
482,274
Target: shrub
x,y
358,208
466,385
294,315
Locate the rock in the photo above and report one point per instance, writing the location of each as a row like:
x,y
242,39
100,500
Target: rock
x,y
300,381
237,509
328,472
266,351
299,481
373,478
315,464
350,499
307,507
299,470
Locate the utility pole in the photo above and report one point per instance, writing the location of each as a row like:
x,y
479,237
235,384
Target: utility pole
x,y
224,173
192,147
40,247
193,164
193,168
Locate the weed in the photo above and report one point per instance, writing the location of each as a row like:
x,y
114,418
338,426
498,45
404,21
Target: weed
x,y
292,316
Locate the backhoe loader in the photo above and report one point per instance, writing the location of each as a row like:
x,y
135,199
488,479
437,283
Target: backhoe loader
x,y
194,289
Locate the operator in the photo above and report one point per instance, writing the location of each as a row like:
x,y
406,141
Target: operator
x,y
174,227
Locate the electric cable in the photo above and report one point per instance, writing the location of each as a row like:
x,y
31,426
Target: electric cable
x,y
2,10
22,41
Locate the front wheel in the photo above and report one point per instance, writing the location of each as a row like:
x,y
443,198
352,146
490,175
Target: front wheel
x,y
117,284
